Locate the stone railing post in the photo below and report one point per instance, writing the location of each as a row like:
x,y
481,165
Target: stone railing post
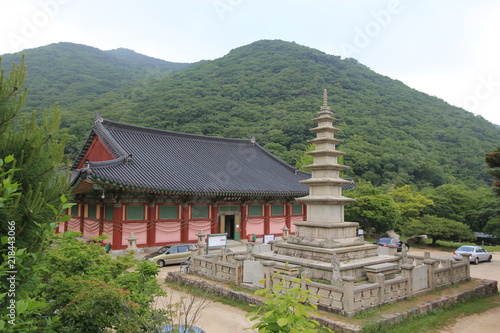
x,y
348,291
303,277
213,271
393,249
447,264
466,261
404,255
194,254
431,278
223,253
268,273
250,246
239,269
407,271
380,280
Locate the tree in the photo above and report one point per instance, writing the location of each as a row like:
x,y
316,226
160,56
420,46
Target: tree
x,y
94,292
439,228
455,202
410,203
493,161
493,227
286,308
373,210
38,150
32,195
23,305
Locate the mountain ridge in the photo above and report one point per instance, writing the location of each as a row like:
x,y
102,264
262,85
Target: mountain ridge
x,y
272,89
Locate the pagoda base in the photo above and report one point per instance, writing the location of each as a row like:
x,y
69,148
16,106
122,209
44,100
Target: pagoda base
x,y
344,253
326,235
319,270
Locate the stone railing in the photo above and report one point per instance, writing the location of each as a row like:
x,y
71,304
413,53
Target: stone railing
x,y
212,267
383,283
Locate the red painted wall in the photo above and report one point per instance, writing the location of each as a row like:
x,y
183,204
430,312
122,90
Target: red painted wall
x,y
97,152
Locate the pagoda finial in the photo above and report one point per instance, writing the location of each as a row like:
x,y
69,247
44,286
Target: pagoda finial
x,y
325,98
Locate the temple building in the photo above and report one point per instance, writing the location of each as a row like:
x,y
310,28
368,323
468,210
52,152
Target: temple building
x,y
164,187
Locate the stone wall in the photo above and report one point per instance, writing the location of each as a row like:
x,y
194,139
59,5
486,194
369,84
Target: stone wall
x,y
381,283
486,288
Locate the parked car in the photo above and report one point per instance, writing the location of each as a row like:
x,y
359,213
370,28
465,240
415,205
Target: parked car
x,y
181,329
385,242
475,253
171,254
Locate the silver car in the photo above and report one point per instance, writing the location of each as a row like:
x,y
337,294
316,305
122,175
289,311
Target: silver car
x,y
171,254
475,253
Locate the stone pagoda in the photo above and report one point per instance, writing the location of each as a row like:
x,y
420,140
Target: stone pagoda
x,y
325,225
325,239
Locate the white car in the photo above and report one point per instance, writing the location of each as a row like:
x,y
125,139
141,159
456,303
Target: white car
x,y
475,253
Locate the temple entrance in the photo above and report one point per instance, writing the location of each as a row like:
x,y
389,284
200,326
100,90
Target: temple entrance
x,y
230,224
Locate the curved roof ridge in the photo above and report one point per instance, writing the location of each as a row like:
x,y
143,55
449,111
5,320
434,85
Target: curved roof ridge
x,y
291,167
156,131
83,150
103,164
114,147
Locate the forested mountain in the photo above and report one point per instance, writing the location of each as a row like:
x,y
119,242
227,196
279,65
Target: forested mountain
x,y
272,89
76,75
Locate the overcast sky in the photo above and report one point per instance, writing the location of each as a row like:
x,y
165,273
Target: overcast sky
x,y
446,48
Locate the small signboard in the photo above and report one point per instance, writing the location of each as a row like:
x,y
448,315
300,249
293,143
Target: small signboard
x,y
215,241
268,238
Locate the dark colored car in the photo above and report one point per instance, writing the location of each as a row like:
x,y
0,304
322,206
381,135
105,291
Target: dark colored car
x,y
385,242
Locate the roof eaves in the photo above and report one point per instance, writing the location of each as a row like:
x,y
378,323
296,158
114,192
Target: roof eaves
x,y
84,149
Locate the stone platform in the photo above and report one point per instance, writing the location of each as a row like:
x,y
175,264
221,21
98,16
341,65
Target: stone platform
x,y
345,253
321,270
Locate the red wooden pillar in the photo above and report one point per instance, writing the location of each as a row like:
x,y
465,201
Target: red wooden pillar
x,y
214,226
82,218
243,222
117,227
102,215
288,215
267,226
151,225
185,222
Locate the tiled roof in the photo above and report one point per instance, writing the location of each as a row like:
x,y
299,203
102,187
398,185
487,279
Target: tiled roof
x,y
171,162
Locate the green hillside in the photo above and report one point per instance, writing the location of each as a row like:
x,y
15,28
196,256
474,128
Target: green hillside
x,y
76,76
272,89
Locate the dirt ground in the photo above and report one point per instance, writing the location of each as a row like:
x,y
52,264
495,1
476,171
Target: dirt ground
x,y
221,318
216,317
